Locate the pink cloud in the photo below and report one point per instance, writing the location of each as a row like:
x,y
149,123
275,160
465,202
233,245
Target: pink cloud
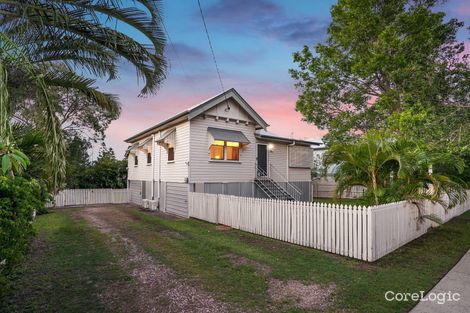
x,y
463,9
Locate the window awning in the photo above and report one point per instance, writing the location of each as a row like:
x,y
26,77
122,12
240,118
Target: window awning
x,y
131,149
145,142
168,138
227,135
146,145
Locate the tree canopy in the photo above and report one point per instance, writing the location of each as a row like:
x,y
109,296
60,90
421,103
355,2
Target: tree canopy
x,y
57,46
392,64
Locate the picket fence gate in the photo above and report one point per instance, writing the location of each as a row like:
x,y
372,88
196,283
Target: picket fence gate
x,y
365,233
72,197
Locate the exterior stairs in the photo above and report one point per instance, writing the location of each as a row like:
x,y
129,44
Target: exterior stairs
x,y
272,189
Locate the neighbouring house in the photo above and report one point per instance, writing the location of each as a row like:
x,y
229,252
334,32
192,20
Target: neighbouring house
x,y
218,146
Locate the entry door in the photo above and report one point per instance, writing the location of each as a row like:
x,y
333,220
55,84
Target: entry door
x,y
262,158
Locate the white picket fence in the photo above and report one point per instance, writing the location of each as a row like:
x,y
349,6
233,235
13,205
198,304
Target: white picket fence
x,y
72,197
358,232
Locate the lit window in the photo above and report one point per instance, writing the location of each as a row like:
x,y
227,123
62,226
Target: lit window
x,y
136,160
225,150
149,158
171,154
233,149
217,150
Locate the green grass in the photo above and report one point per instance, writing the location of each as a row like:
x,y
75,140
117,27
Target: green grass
x,y
69,267
75,263
199,250
340,201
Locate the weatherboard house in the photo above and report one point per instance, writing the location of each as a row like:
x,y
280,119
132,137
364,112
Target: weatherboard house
x,y
218,146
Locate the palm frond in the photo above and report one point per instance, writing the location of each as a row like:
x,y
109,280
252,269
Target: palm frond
x,y
67,20
68,79
55,148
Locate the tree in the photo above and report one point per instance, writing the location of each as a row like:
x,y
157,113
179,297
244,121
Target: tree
x,y
105,172
78,161
394,169
383,59
78,116
47,40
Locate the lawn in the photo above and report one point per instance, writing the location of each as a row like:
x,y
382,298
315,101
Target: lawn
x,y
340,201
70,263
74,261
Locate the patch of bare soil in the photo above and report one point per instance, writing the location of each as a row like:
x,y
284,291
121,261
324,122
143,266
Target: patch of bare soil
x,y
157,287
238,260
291,292
222,227
308,297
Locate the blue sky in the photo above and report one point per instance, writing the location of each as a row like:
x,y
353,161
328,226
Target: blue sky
x,y
253,42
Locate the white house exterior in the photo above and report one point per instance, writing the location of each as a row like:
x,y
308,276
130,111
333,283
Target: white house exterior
x,y
218,146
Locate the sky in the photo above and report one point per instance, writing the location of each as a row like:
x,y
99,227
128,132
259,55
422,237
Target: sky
x,y
253,41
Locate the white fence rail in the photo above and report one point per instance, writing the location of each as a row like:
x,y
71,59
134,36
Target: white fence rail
x,y
70,197
338,229
358,232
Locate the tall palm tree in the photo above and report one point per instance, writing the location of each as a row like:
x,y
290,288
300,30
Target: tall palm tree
x,y
395,169
51,40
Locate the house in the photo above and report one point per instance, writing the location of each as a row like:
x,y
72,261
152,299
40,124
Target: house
x,y
218,146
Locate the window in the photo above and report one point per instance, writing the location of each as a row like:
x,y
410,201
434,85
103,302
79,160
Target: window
x,y
136,160
171,154
217,150
225,150
233,151
149,158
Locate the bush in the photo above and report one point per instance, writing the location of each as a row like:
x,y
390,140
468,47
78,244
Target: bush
x,y
19,197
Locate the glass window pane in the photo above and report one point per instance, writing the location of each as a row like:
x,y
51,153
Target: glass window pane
x,y
171,154
218,142
217,152
233,153
233,144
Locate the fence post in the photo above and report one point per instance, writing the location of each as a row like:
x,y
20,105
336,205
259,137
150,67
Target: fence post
x,y
370,236
217,209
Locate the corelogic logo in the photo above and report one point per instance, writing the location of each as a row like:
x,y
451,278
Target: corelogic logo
x,y
439,297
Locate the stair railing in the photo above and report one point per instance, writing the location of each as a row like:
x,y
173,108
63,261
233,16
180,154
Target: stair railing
x,y
278,177
265,180
261,173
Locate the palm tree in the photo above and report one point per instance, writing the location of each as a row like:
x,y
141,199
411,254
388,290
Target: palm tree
x,y
394,169
364,163
50,40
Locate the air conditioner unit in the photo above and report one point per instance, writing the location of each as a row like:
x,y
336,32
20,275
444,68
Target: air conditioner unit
x,y
145,203
152,205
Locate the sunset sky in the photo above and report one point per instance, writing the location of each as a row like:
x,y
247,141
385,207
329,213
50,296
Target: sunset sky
x,y
253,43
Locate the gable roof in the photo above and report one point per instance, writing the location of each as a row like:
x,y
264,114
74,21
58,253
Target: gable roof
x,y
200,108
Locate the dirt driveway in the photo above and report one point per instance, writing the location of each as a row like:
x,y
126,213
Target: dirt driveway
x,y
156,287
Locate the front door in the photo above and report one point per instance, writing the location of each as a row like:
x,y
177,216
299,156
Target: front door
x,y
262,160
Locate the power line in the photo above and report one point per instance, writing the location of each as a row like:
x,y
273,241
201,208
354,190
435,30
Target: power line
x,y
213,54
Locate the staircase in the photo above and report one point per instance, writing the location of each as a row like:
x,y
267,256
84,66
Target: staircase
x,y
274,190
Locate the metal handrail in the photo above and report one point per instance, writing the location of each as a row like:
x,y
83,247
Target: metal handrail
x,y
263,172
290,189
297,192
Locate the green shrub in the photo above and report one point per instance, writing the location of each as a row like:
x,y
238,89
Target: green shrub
x,y
19,198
